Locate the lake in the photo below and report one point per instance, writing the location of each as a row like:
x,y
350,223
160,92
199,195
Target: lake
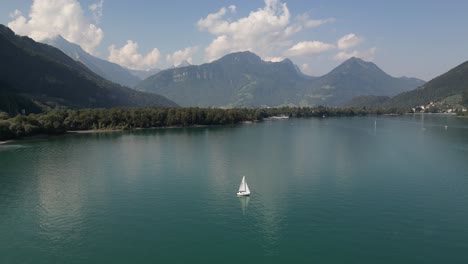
x,y
333,190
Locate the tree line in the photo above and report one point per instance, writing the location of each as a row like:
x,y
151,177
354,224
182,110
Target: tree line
x,y
60,121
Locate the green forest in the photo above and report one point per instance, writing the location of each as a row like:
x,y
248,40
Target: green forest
x,y
60,121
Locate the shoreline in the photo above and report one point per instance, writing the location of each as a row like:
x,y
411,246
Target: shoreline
x,y
30,138
97,131
92,131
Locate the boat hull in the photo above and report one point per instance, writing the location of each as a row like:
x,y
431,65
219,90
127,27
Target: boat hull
x,y
243,193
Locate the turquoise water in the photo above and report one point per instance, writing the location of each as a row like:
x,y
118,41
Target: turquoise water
x,y
333,190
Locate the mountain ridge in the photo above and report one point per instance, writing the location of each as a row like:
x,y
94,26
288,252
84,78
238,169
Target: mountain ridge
x,y
222,83
452,83
33,73
356,77
243,79
106,69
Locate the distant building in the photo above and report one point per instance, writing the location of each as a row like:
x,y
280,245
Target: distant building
x,y
419,108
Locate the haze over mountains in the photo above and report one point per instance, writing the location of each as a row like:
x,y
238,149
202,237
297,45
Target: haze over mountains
x,y
37,76
143,74
110,71
242,79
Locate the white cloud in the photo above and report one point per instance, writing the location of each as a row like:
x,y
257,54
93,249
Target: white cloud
x,y
180,56
349,41
213,23
49,18
315,23
306,48
266,31
274,59
305,68
311,23
15,14
96,9
129,57
367,55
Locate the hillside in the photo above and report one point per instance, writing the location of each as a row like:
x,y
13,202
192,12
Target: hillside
x,y
367,101
453,83
37,74
110,71
356,77
242,79
236,80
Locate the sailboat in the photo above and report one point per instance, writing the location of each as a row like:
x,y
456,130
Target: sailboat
x,y
243,188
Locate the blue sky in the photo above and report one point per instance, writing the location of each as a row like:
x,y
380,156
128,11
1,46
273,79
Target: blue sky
x,y
405,38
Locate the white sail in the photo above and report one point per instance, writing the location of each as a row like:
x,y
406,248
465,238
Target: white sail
x,y
243,188
242,185
247,190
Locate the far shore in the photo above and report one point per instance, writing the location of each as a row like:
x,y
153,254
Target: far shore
x,y
96,131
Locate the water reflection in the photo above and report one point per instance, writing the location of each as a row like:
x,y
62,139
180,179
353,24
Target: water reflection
x,y
314,185
60,194
244,202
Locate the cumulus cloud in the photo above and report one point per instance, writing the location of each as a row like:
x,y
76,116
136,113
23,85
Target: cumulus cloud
x,y
129,57
15,14
311,23
306,48
349,41
315,23
49,18
305,68
274,59
232,8
367,55
96,9
180,56
266,31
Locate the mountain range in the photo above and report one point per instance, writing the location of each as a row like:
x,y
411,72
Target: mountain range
x,y
243,79
252,86
236,80
449,90
35,76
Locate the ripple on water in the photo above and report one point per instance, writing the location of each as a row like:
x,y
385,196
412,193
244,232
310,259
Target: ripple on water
x,y
10,147
321,191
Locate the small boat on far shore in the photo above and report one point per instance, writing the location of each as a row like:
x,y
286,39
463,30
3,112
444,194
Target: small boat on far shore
x,y
279,117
